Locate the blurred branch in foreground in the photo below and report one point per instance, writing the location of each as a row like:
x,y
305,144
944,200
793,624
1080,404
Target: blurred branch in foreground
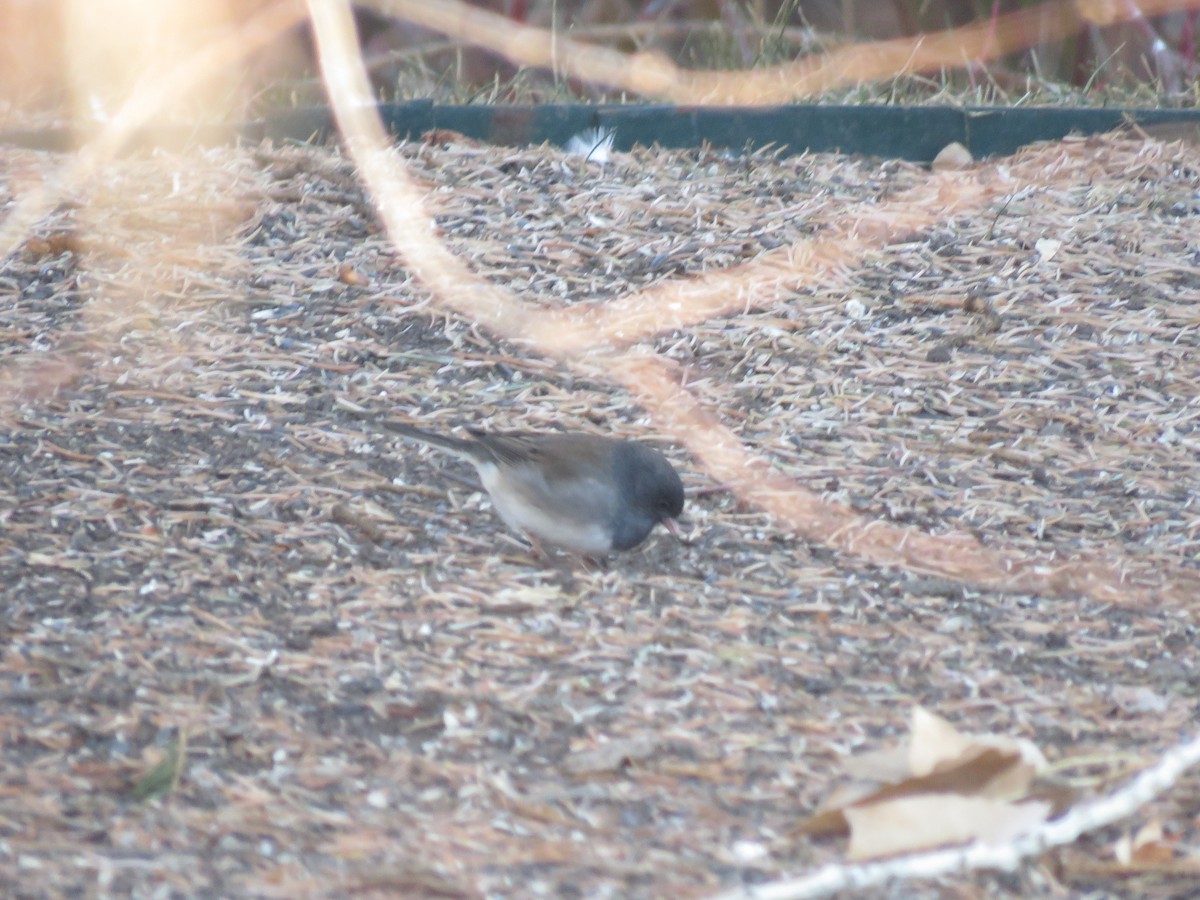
x,y
652,74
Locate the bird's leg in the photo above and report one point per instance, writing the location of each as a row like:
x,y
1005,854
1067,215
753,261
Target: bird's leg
x,y
596,563
539,552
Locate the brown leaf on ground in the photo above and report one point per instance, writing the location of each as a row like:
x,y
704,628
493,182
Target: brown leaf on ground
x,y
909,824
937,764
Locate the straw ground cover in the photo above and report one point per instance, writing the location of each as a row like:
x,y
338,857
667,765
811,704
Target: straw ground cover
x,y
254,646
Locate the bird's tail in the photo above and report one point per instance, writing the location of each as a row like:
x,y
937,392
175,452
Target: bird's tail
x,y
458,447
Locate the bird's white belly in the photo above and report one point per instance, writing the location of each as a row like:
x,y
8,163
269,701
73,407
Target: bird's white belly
x,y
570,532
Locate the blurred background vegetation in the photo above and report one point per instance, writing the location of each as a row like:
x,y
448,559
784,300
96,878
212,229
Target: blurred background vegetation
x,y
1126,52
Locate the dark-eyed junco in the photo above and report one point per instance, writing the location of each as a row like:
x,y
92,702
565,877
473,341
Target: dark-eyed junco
x,y
587,494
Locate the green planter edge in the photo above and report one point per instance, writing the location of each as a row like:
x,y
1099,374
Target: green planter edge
x,y
914,133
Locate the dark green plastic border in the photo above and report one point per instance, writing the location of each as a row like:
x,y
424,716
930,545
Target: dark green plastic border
x,y
914,133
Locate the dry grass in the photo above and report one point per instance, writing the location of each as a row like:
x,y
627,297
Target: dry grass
x,y
206,552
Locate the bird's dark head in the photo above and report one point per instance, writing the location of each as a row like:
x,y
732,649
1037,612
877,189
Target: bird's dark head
x,y
651,492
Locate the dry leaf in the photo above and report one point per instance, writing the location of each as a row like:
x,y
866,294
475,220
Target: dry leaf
x,y
953,156
1145,850
908,824
980,775
937,760
884,766
934,742
936,746
1047,247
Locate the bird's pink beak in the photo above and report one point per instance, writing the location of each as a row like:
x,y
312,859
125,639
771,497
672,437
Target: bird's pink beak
x,y
672,526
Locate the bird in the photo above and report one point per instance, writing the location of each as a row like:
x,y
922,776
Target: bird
x,y
587,494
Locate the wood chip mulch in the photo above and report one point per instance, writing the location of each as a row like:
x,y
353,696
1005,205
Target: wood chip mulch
x,y
252,645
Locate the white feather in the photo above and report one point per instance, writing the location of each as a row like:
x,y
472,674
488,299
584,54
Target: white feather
x,y
592,143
